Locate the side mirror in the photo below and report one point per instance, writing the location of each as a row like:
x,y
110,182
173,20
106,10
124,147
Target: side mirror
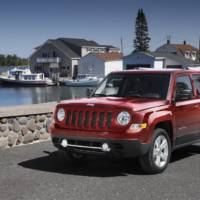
x,y
182,95
89,92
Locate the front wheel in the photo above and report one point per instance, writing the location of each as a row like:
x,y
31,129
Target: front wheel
x,y
158,156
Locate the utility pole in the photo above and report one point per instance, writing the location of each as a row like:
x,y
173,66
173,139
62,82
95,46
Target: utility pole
x,y
199,51
122,47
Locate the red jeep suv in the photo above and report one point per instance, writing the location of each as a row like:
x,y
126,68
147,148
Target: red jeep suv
x,y
139,113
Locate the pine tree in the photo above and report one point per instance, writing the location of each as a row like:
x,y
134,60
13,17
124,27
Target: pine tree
x,y
142,39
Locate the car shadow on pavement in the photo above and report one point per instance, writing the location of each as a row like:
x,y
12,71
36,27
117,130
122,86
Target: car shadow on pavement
x,y
57,162
185,152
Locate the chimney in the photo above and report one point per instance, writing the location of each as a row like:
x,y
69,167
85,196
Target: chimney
x,y
184,42
168,39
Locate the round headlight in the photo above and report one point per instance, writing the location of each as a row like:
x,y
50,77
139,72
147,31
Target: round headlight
x,y
123,118
61,114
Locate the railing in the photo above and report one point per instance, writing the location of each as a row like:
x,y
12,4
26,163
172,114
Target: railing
x,y
48,60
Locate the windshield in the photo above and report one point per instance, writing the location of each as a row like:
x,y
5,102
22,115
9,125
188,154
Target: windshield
x,y
135,85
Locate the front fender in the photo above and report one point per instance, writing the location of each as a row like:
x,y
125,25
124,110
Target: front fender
x,y
157,117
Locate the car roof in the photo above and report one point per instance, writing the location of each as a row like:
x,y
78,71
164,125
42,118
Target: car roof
x,y
161,71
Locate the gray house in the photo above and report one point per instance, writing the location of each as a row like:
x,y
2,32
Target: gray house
x,y
156,60
185,50
61,56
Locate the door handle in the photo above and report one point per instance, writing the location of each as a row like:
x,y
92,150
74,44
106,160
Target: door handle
x,y
196,106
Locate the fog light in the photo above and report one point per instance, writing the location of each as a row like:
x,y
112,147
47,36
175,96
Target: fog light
x,y
64,143
137,127
105,147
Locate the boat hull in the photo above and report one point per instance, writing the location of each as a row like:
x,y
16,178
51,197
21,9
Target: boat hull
x,y
81,83
4,80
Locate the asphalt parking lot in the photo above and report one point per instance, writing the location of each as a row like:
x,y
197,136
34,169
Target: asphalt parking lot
x,y
40,172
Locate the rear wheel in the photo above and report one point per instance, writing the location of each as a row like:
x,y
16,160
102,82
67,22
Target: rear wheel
x,y
158,156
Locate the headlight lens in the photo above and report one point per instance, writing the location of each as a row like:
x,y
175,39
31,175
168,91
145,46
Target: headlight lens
x,y
123,118
61,114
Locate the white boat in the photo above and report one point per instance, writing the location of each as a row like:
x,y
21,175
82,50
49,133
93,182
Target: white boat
x,y
25,77
83,80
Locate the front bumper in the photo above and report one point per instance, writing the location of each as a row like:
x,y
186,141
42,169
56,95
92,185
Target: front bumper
x,y
93,146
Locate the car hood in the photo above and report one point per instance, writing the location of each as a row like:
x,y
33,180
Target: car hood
x,y
136,104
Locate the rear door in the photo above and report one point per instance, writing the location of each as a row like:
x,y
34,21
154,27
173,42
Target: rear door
x,y
196,80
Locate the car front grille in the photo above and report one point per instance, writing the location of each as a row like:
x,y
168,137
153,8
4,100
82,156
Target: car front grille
x,y
79,119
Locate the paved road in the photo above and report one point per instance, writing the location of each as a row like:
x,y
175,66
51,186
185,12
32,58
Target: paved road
x,y
38,172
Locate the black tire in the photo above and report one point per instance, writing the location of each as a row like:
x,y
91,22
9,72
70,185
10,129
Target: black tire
x,y
147,161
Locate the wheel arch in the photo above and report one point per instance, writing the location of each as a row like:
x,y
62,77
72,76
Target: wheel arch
x,y
168,127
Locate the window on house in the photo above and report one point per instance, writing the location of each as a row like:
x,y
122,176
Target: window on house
x,y
45,54
187,55
194,56
54,54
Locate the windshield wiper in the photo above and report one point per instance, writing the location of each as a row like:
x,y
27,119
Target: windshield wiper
x,y
133,95
98,95
140,96
104,95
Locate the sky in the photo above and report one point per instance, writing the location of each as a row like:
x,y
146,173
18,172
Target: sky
x,y
25,24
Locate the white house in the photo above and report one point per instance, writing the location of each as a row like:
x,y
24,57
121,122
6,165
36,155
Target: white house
x,y
100,64
156,60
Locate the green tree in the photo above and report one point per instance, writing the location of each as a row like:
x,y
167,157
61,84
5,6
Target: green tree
x,y
12,60
142,39
2,60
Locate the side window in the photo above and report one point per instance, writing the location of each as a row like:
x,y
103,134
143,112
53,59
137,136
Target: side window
x,y
183,88
196,78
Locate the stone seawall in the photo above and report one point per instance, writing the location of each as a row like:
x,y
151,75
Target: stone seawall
x,y
25,124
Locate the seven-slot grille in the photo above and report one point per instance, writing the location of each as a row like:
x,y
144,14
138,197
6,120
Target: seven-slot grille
x,y
88,119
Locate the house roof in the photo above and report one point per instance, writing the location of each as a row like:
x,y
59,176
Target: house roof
x,y
171,56
78,42
64,48
182,48
72,46
109,56
185,47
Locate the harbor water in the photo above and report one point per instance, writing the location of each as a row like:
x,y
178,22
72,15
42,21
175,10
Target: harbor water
x,y
11,95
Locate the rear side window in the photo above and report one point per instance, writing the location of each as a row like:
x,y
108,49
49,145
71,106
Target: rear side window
x,y
196,79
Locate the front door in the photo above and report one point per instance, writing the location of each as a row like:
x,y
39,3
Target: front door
x,y
75,73
186,112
